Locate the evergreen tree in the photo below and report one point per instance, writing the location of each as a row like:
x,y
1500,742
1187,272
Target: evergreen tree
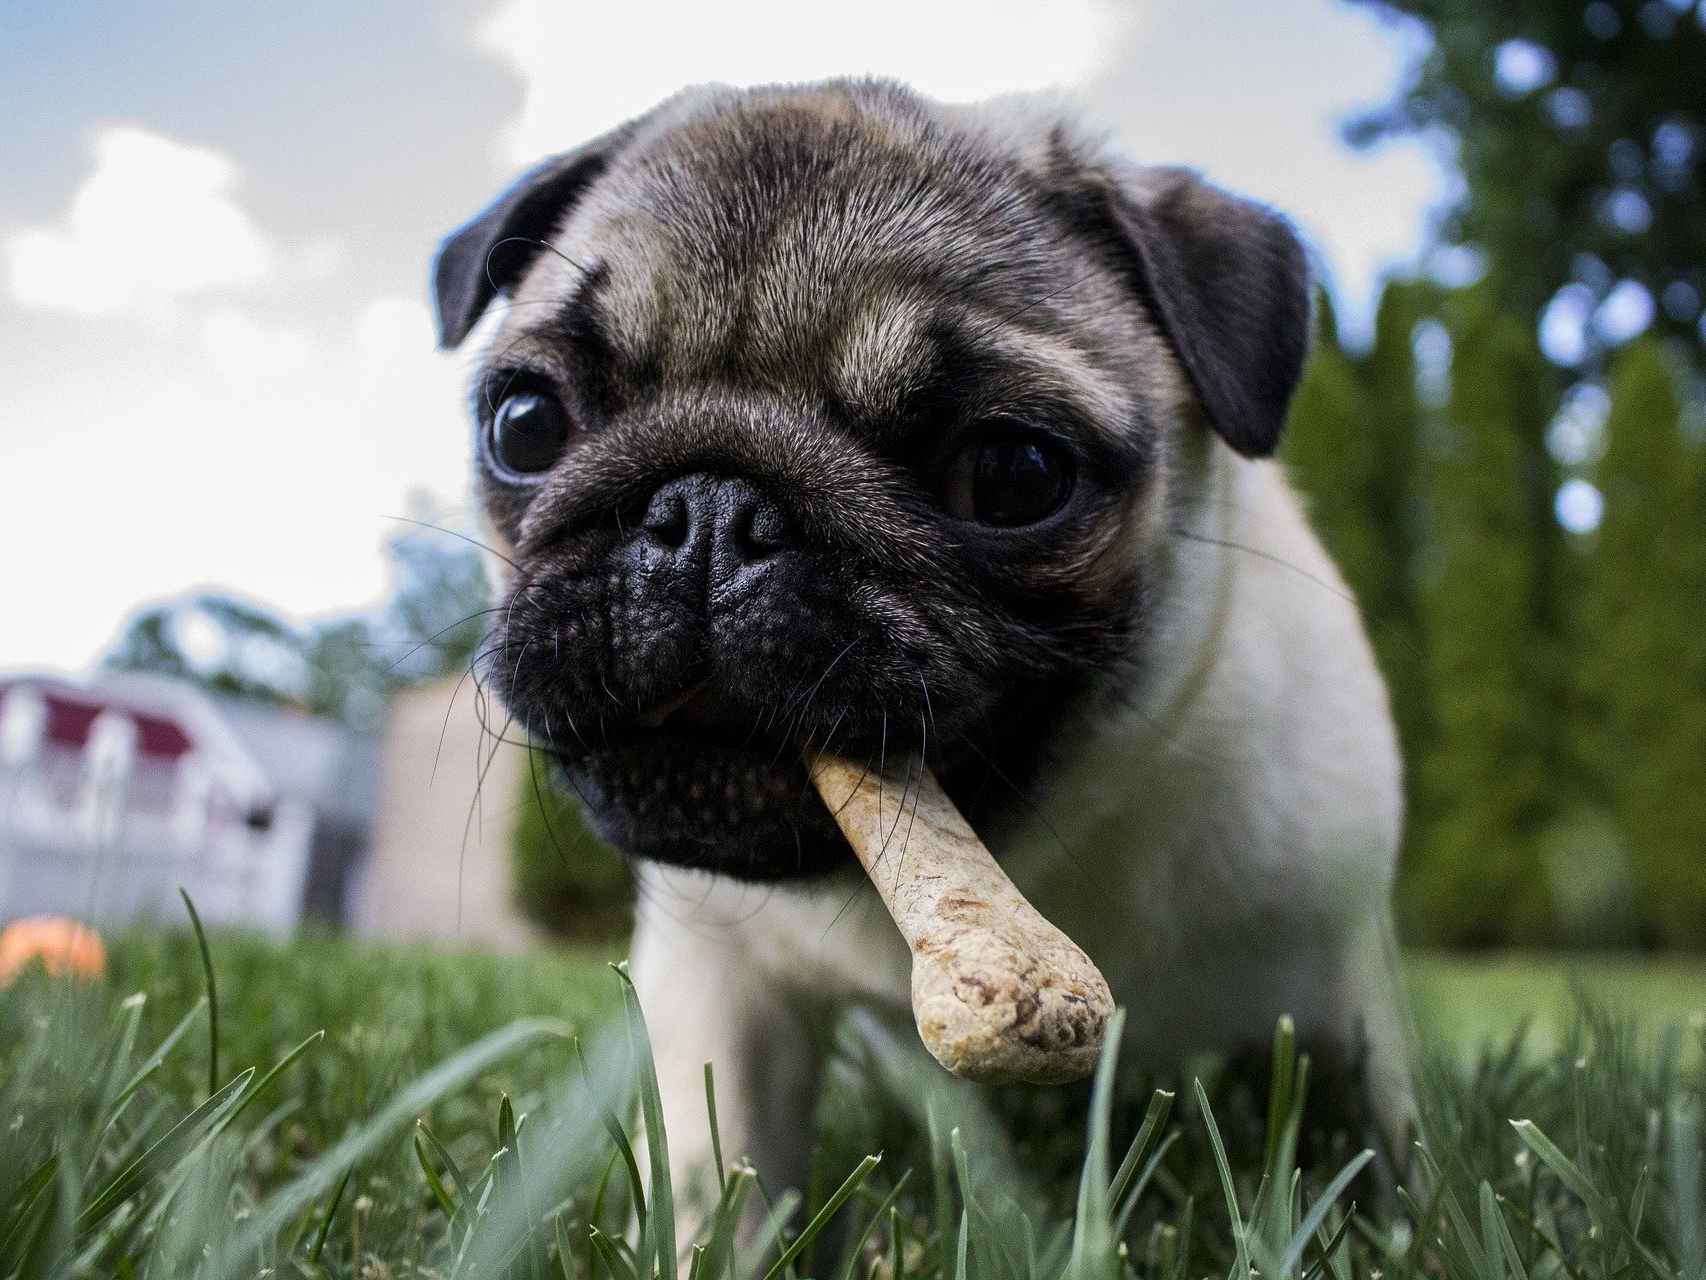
x,y
1579,130
1475,874
1396,506
345,667
1352,448
1644,637
257,654
1332,457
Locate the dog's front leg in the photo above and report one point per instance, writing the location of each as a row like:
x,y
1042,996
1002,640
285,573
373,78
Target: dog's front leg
x,y
1371,1029
705,1002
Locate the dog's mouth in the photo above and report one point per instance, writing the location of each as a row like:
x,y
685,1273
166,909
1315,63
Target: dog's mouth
x,y
701,780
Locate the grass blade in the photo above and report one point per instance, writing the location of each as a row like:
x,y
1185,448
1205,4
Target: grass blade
x,y
657,1144
1569,1173
726,1222
716,1134
1513,1255
1329,1257
463,1202
22,1212
166,1152
1280,1086
821,1219
1137,1189
1187,1221
434,1184
212,993
565,1249
1318,1211
1240,1239
850,1261
607,1252
278,1068
121,1045
319,1245
1093,1246
418,1096
942,1187
158,1057
619,1136
1160,1106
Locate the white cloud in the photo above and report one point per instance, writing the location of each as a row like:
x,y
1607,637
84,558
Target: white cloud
x,y
1253,95
155,221
410,401
246,350
322,258
586,68
268,468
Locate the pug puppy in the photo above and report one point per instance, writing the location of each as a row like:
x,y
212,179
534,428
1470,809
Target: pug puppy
x,y
829,417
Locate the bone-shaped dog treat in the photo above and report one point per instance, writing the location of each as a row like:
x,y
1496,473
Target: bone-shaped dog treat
x,y
999,993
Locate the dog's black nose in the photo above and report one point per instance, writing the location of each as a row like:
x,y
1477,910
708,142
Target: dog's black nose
x,y
715,525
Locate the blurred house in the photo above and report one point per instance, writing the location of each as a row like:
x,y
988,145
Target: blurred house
x,y
117,789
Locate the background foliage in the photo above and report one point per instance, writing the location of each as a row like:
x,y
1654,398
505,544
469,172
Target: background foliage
x,y
1550,687
343,667
1513,475
567,881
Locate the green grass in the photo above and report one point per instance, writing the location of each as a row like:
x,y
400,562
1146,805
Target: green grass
x,y
1468,1000
118,1159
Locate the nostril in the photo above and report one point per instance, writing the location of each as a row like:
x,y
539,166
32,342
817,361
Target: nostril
x,y
761,531
667,520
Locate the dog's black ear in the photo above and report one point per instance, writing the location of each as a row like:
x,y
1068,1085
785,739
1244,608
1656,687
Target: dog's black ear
x,y
488,254
1228,281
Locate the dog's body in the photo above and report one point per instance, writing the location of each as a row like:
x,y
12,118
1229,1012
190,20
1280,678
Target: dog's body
x,y
847,419
1221,847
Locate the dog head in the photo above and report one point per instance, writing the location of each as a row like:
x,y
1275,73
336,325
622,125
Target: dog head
x,y
829,417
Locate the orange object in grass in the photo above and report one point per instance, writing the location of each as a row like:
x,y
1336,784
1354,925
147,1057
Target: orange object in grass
x,y
59,942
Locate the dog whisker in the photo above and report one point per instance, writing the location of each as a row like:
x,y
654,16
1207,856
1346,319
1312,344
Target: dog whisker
x,y
1228,545
473,542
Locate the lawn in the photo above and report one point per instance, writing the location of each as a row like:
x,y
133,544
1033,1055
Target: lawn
x,y
1470,1000
119,1159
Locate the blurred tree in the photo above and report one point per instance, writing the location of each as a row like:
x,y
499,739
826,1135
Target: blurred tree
x,y
1643,667
1331,453
223,643
1352,447
436,610
345,678
345,667
1488,784
1579,129
1396,507
149,642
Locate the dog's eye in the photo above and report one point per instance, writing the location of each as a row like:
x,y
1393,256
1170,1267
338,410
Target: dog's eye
x,y
528,433
1008,481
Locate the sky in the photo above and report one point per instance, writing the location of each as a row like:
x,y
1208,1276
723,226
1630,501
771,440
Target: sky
x,y
217,366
